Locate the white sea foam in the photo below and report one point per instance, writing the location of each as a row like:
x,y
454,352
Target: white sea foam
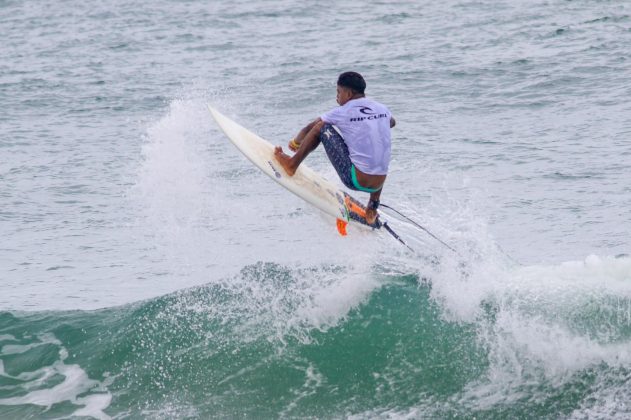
x,y
608,400
539,323
544,324
46,338
75,383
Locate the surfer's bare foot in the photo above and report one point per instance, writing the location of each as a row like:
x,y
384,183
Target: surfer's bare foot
x,y
371,216
284,160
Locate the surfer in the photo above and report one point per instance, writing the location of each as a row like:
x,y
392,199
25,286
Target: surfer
x,y
359,151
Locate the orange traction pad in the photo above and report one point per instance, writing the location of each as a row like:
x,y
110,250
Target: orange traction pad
x,y
353,207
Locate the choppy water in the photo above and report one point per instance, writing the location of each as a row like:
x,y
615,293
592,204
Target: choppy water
x,y
148,271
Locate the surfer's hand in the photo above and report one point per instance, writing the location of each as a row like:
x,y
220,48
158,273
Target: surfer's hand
x,y
293,145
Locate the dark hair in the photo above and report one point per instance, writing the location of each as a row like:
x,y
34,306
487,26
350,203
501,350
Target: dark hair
x,y
352,80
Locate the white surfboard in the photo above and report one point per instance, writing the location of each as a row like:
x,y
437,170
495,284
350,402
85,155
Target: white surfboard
x,y
305,183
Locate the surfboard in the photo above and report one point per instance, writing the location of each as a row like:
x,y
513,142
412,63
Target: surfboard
x,y
305,183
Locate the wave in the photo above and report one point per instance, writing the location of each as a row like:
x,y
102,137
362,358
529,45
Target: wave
x,y
277,341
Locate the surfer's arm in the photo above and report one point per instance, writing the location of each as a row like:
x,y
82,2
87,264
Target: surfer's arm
x,y
392,122
294,143
301,135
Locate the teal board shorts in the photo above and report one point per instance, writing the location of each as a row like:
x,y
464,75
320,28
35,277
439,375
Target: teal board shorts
x,y
337,151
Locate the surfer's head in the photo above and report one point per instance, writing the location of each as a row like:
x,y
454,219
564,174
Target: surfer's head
x,y
350,85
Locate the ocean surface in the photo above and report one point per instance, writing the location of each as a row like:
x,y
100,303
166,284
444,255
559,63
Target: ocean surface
x,y
147,270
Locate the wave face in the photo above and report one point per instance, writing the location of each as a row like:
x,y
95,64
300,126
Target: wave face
x,y
543,342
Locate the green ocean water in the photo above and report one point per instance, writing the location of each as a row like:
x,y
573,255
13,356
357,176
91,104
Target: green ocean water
x,y
170,357
220,352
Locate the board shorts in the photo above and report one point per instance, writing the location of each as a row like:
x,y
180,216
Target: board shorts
x,y
337,151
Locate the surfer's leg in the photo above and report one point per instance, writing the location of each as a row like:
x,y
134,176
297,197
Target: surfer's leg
x,y
337,151
308,144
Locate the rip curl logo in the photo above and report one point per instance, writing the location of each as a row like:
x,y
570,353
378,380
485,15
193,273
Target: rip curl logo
x,y
274,169
371,115
328,134
366,110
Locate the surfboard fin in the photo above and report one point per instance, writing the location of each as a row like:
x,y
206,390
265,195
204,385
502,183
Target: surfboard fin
x,y
341,227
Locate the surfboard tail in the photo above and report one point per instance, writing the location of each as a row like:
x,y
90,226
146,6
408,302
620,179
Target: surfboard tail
x,y
357,212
